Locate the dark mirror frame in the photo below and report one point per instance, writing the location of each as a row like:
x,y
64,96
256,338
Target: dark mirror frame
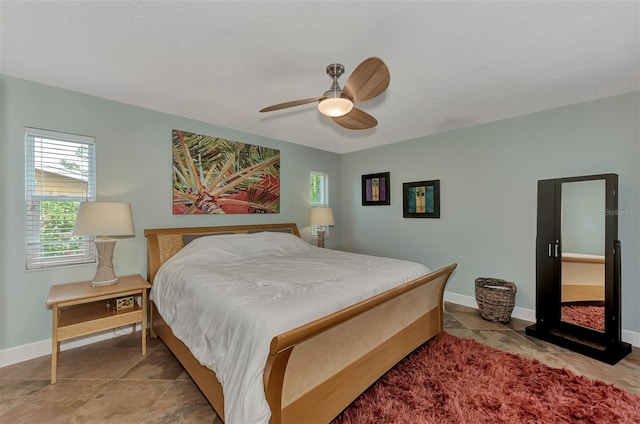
x,y
605,346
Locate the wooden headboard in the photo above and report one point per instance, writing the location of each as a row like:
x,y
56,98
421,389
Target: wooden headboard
x,y
163,243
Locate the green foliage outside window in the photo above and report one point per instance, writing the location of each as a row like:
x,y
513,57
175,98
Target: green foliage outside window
x,y
316,192
57,221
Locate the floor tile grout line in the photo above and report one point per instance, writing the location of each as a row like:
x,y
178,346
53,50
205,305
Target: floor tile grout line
x,y
156,400
73,413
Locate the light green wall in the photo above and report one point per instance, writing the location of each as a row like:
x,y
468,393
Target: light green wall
x,y
133,159
488,180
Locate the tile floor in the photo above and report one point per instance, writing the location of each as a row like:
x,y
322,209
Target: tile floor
x,y
110,382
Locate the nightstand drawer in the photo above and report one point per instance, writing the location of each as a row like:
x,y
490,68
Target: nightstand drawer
x,y
93,317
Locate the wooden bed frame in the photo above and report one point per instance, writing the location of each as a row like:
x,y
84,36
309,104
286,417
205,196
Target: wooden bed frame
x,y
315,371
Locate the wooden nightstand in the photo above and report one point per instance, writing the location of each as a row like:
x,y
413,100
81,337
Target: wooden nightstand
x,y
79,309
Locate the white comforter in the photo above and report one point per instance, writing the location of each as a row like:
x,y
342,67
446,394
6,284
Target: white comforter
x,y
227,296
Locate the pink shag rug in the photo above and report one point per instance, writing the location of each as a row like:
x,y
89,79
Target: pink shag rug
x,y
456,380
586,316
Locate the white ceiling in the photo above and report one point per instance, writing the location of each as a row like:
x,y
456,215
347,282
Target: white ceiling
x,y
453,64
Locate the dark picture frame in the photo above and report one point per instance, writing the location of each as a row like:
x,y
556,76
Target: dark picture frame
x,y
421,199
376,189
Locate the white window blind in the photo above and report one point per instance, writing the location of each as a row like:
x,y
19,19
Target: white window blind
x,y
60,173
319,195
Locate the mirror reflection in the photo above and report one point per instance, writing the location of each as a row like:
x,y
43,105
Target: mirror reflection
x,y
583,262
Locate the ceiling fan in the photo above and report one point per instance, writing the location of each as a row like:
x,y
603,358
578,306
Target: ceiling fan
x,y
370,79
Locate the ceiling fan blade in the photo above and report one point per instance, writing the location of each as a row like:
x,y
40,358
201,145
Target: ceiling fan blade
x,y
291,104
370,79
356,120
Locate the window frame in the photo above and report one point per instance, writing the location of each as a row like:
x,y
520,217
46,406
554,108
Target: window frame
x,y
325,197
37,141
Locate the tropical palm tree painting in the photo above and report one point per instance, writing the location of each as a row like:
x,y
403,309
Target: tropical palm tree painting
x,y
212,175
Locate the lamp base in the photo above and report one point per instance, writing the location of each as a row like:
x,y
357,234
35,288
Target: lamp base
x,y
104,274
321,238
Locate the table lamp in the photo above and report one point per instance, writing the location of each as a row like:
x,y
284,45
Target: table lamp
x,y
321,216
104,219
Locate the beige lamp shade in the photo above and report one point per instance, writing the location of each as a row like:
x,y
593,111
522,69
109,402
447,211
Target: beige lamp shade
x,y
104,219
321,216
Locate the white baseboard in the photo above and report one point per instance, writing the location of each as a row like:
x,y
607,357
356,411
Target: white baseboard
x,y
464,300
33,350
631,337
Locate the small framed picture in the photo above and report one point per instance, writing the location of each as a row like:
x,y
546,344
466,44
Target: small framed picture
x,y
376,189
421,199
124,303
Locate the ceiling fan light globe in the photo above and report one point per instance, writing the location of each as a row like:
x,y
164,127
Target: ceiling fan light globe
x,y
335,106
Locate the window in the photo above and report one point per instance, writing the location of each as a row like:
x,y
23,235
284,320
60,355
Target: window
x,y
319,194
60,173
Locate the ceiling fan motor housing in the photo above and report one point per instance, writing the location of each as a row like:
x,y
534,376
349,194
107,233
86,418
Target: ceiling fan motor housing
x,y
335,70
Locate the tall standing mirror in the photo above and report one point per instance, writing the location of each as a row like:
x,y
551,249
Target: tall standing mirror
x,y
578,266
583,261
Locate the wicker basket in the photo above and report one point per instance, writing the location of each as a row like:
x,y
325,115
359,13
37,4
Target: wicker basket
x,y
496,298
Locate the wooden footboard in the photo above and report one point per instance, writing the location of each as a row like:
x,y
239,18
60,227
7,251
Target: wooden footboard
x,y
315,371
